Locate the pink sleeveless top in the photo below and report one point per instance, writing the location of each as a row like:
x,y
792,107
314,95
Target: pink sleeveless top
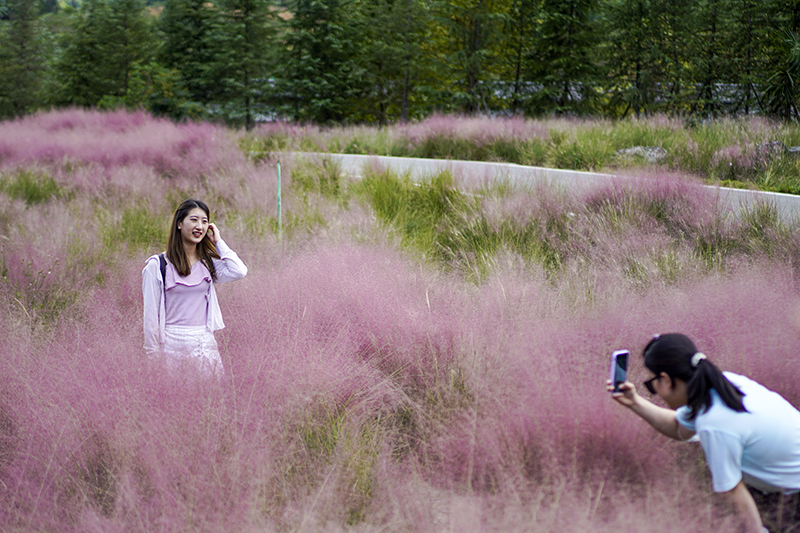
x,y
186,302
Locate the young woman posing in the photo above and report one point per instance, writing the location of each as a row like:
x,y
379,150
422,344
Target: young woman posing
x,y
181,311
749,433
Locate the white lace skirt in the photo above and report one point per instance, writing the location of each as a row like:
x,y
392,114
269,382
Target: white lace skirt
x,y
192,346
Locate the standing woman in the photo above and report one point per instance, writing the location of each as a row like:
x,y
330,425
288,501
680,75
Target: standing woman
x,y
181,311
750,434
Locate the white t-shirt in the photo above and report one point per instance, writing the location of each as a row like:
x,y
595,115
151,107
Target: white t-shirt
x,y
761,446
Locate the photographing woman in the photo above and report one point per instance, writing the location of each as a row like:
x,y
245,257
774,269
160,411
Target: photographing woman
x,y
181,311
750,434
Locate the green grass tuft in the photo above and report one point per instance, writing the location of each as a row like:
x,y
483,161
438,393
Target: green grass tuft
x,y
135,226
31,186
417,210
325,179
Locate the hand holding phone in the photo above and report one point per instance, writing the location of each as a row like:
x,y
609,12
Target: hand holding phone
x,y
619,368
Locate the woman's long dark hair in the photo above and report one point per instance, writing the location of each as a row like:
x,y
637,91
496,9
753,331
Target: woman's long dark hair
x,y
673,353
205,248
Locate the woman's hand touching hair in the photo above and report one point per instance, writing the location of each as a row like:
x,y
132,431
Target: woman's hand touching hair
x,y
213,233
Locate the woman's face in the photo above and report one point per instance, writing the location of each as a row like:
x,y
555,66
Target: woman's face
x,y
673,392
194,226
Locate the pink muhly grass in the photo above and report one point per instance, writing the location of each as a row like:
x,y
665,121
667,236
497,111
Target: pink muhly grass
x,y
522,207
350,359
365,390
660,121
122,160
333,303
508,411
286,129
477,129
114,443
760,129
48,256
732,161
727,154
653,203
116,139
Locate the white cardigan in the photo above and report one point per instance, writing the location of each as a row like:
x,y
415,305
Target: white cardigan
x,y
229,268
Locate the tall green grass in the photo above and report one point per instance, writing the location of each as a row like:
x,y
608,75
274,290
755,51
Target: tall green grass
x,y
450,228
137,227
31,186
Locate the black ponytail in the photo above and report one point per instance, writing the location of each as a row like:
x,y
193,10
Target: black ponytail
x,y
677,355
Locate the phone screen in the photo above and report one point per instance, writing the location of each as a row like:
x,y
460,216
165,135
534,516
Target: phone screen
x,y
619,368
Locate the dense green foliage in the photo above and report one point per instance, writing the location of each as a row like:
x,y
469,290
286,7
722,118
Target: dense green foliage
x,y
382,61
318,78
110,38
22,57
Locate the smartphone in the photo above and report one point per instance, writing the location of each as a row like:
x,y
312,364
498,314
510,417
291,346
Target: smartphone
x,y
619,368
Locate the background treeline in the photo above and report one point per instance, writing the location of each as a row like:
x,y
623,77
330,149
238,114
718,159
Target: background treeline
x,y
382,61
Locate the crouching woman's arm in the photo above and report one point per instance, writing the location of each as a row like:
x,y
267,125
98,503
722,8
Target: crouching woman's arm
x,y
662,419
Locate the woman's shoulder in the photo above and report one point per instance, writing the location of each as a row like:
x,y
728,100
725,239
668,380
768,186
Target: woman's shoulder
x,y
153,264
760,399
744,383
737,379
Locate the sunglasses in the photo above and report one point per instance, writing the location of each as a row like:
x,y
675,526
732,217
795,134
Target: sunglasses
x,y
649,384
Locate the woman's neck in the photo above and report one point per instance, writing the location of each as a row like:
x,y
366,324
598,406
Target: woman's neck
x,y
191,253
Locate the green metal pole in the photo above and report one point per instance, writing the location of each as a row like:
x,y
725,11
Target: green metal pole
x,y
280,217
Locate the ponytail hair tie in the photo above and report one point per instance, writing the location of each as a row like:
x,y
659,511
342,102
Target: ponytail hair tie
x,y
696,358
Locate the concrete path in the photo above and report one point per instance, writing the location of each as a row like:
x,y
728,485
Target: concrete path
x,y
787,205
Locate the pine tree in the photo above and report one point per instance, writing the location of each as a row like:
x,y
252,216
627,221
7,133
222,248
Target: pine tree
x,y
521,30
242,55
319,78
22,58
470,40
390,58
709,65
746,47
674,33
108,38
130,39
187,26
563,61
634,59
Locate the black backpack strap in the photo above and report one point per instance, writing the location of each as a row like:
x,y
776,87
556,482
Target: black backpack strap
x,y
163,263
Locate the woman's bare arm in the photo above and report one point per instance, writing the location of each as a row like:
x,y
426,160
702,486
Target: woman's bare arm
x,y
744,504
662,419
